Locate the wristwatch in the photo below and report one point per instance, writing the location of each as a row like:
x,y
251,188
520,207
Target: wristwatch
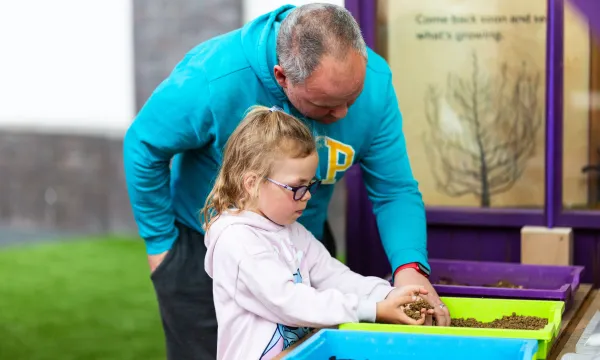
x,y
415,265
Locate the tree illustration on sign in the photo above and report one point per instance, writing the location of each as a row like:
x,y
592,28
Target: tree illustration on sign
x,y
482,130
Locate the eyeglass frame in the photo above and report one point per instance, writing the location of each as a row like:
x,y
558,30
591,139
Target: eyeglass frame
x,y
295,189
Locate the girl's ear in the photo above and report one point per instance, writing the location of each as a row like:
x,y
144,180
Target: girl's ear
x,y
250,180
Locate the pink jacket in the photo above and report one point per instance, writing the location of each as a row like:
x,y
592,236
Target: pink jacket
x,y
272,283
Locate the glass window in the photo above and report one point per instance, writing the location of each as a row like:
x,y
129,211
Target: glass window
x,y
470,81
581,126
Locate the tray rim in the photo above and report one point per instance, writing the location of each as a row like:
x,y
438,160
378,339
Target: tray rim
x,y
529,347
548,333
559,294
574,270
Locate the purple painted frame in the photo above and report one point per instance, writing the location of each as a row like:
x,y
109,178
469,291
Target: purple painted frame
x,y
554,109
555,214
552,214
591,9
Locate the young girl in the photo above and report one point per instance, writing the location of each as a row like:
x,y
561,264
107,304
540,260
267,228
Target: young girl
x,y
272,280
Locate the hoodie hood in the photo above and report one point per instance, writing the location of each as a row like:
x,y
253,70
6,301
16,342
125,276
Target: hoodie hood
x,y
259,40
246,218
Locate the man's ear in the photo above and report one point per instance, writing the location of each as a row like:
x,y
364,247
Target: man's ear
x,y
250,180
280,76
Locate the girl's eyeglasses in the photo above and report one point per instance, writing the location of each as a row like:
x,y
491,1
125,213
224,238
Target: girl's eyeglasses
x,y
299,191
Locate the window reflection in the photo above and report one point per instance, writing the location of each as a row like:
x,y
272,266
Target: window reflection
x,y
470,81
581,134
581,142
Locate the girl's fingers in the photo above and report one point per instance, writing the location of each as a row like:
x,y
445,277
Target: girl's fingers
x,y
404,319
428,299
421,321
403,300
411,289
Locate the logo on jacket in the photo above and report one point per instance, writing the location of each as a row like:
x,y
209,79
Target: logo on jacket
x,y
340,157
285,336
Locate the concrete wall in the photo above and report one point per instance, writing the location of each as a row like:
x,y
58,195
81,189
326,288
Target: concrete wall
x,y
166,29
68,182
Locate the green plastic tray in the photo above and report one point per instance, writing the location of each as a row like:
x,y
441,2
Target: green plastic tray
x,y
487,310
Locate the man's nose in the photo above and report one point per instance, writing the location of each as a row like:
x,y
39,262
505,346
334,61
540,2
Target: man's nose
x,y
339,112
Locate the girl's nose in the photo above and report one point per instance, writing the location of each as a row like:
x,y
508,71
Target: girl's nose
x,y
306,196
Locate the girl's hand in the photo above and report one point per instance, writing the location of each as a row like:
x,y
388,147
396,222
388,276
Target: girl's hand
x,y
391,310
407,291
412,277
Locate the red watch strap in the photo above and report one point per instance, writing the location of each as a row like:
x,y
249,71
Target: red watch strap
x,y
411,266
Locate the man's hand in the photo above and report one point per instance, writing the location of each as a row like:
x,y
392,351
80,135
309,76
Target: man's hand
x,y
155,260
412,277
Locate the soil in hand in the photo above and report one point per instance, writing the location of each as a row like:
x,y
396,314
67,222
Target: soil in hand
x,y
512,322
413,310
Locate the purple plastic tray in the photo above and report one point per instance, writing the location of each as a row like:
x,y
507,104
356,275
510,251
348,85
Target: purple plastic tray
x,y
539,281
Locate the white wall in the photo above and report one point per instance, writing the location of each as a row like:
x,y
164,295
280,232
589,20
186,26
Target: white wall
x,y
255,8
67,65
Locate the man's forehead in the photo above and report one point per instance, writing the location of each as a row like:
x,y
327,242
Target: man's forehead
x,y
333,91
337,80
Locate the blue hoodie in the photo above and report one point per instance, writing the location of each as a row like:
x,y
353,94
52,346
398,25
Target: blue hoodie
x,y
193,111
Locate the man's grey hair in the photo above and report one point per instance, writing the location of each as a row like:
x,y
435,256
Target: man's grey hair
x,y
311,31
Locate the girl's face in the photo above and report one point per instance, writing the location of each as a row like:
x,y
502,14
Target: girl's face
x,y
275,201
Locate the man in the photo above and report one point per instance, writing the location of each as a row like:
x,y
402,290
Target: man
x,y
312,62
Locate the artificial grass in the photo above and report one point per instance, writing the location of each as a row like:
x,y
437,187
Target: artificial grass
x,y
87,299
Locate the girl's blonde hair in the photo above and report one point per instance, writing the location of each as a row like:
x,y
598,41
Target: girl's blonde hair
x,y
263,134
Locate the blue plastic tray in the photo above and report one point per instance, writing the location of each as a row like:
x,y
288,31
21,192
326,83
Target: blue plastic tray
x,y
362,345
